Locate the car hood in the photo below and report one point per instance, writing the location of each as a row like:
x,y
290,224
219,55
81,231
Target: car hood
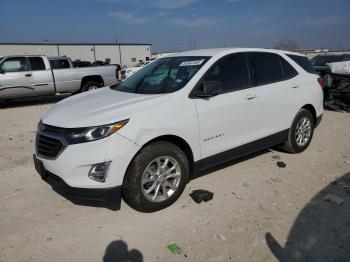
x,y
99,107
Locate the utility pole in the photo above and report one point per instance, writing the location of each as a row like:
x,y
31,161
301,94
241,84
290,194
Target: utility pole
x,y
94,51
58,50
120,52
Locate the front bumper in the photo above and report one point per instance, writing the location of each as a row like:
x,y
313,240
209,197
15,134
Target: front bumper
x,y
74,163
106,197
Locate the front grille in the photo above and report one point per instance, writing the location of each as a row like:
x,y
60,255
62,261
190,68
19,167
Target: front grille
x,y
48,146
54,129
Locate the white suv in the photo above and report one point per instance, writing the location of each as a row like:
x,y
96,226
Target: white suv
x,y
147,136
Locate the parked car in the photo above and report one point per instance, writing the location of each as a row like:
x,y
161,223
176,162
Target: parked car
x,y
320,62
336,85
25,76
126,72
338,82
147,136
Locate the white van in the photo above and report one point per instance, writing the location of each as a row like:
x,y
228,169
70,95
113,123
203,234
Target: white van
x,y
147,136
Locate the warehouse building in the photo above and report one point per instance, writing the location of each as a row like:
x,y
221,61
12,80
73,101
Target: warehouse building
x,y
310,53
124,54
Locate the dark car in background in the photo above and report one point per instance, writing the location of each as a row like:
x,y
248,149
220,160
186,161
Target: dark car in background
x,y
320,62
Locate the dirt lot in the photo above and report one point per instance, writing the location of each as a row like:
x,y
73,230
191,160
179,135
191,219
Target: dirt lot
x,y
259,212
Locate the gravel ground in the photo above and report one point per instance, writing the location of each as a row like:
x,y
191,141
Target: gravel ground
x,y
259,212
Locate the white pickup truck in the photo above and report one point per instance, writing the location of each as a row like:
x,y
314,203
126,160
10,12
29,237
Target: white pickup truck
x,y
26,76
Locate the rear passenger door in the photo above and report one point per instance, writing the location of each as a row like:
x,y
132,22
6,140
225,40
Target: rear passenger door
x,y
277,83
229,119
42,76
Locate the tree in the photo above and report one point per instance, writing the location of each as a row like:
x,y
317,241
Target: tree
x,y
287,44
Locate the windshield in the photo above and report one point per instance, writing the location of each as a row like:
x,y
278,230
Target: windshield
x,y
165,75
323,60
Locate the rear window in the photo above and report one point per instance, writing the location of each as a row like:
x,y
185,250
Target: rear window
x,y
266,68
288,70
303,62
59,64
37,63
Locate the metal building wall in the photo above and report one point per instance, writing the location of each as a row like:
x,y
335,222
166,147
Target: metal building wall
x,y
81,52
118,54
107,51
139,52
49,50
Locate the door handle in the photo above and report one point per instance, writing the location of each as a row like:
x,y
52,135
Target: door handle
x,y
28,75
250,97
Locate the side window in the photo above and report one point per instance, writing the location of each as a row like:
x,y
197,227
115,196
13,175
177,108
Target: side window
x,y
346,58
288,70
15,64
231,71
266,68
59,64
304,63
37,63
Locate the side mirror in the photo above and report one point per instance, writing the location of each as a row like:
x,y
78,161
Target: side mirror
x,y
209,89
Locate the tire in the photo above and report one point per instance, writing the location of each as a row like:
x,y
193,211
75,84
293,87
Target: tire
x,y
91,85
295,143
144,167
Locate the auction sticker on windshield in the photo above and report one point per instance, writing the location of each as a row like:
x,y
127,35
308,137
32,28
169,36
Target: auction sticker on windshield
x,y
192,63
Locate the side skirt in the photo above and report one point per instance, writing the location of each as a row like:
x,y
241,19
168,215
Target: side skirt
x,y
235,153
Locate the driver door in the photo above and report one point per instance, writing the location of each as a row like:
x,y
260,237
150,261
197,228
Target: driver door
x,y
16,79
230,119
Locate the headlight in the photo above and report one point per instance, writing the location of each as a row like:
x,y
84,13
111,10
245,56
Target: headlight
x,y
81,135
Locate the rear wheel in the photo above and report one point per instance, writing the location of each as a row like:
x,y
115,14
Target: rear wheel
x,y
300,133
156,177
91,85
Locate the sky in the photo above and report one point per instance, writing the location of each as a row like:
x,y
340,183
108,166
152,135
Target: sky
x,y
174,25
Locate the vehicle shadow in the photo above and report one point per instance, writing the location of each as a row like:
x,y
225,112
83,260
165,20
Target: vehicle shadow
x,y
110,200
118,251
322,230
30,101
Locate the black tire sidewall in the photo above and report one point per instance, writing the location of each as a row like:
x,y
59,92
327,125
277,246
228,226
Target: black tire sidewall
x,y
292,140
132,191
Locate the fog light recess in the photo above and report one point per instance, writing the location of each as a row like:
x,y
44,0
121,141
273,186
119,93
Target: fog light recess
x,y
98,172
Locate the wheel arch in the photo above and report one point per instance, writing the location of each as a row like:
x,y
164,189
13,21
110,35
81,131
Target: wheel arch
x,y
96,78
312,110
176,140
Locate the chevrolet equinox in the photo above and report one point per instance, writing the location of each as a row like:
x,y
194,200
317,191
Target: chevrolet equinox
x,y
146,137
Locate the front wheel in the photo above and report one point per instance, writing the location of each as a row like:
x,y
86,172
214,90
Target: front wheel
x,y
300,133
156,177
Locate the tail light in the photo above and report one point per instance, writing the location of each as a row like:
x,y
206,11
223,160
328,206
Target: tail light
x,y
321,82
